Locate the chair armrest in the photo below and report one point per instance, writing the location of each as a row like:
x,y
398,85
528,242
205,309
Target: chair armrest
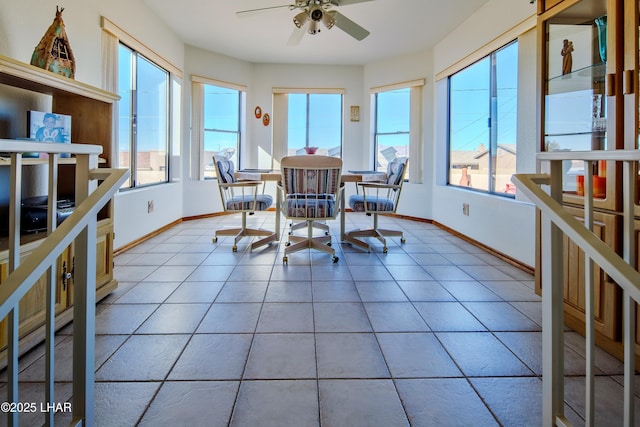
x,y
240,184
378,186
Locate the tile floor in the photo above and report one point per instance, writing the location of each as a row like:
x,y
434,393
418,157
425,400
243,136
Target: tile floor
x,y
436,332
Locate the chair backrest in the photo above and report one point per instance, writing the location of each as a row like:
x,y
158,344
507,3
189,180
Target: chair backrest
x,y
225,170
311,174
311,185
396,170
377,199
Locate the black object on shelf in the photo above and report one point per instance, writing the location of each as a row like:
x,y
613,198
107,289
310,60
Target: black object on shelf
x,y
34,211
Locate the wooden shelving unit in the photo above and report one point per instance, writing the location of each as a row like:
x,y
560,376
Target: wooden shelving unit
x,y
92,111
609,88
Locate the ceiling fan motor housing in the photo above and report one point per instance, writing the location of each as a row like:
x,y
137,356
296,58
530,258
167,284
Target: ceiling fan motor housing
x,y
316,14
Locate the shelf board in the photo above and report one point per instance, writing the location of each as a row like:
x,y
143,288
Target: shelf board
x,y
26,76
578,80
599,133
6,161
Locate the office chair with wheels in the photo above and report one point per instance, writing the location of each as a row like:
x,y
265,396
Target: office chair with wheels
x,y
379,198
243,197
310,188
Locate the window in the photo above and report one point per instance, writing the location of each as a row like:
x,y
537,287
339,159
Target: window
x,y
315,120
483,123
397,126
222,107
143,118
392,126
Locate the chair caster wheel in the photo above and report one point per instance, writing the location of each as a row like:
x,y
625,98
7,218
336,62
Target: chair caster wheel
x,y
403,240
214,240
234,249
329,244
290,233
335,259
326,233
385,250
288,244
285,260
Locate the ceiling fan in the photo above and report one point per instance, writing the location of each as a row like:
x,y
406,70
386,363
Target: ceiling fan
x,y
314,12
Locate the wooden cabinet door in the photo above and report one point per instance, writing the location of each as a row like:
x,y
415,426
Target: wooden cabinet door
x,y
607,294
104,254
631,81
32,308
104,260
637,266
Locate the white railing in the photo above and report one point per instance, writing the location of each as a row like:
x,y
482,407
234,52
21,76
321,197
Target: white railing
x,y
556,221
80,227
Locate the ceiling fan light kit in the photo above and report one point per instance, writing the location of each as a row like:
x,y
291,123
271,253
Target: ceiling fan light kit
x,y
315,11
301,19
329,19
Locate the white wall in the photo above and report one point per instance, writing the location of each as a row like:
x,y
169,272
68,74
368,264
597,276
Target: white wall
x,y
22,25
415,200
268,76
203,197
24,22
501,223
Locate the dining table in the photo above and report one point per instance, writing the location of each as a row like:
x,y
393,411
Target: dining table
x,y
271,175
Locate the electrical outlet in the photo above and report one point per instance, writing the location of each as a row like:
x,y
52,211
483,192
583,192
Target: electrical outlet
x,y
465,209
150,206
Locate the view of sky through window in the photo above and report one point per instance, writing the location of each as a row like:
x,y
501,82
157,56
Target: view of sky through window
x,y
315,120
221,126
392,126
483,122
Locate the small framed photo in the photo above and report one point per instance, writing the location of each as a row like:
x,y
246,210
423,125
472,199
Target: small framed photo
x,y
49,127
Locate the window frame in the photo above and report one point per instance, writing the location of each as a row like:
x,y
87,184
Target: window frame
x,y
238,132
198,159
308,115
133,182
377,134
492,127
416,142
280,137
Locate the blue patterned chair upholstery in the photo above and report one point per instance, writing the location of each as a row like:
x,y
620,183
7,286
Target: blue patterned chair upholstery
x,y
379,198
243,197
310,188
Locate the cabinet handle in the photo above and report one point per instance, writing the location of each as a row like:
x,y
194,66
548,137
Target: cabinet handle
x,y
66,275
611,84
628,82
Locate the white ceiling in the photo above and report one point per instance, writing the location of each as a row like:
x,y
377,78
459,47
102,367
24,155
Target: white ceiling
x,y
397,27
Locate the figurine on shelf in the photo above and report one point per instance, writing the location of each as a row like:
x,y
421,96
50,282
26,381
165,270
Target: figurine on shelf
x,y
54,52
567,61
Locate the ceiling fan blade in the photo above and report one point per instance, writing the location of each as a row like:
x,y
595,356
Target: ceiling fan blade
x,y
253,12
347,2
350,27
296,35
